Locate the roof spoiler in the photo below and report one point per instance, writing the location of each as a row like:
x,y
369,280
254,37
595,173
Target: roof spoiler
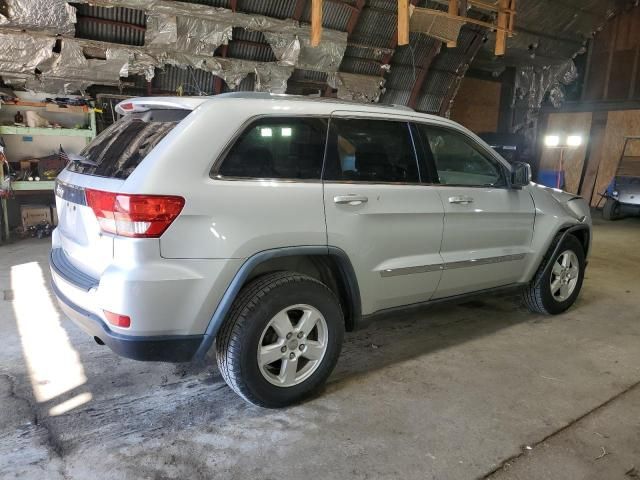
x,y
144,104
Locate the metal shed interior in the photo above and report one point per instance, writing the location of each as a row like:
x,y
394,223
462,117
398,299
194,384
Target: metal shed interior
x,y
560,56
424,74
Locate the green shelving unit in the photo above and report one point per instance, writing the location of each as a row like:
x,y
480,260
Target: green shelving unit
x,y
58,132
25,187
33,186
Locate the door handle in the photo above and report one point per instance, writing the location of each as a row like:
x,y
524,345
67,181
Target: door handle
x,y
461,199
350,199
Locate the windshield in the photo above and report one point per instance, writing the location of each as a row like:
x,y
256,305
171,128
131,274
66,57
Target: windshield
x,y
119,149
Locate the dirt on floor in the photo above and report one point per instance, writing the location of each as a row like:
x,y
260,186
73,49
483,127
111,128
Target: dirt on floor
x,y
481,389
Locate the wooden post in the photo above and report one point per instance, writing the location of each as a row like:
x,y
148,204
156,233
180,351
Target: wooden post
x,y
512,17
316,22
453,10
403,22
503,21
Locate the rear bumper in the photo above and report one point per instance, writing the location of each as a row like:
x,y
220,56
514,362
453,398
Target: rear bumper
x,y
178,348
76,295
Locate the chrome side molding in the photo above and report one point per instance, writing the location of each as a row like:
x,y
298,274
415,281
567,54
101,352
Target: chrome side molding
x,y
394,272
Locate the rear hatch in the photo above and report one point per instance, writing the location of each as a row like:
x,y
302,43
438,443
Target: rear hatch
x,y
85,232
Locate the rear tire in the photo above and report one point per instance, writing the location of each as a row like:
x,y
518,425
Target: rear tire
x,y
611,210
281,340
554,290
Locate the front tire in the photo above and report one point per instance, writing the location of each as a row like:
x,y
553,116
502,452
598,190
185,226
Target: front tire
x,y
282,339
553,290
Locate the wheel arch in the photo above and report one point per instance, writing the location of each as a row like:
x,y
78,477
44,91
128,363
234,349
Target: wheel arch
x,y
330,265
581,231
583,234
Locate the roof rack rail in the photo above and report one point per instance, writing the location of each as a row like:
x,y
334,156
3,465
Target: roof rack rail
x,y
283,96
398,106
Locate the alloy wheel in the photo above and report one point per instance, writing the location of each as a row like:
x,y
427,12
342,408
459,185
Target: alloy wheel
x,y
564,275
292,345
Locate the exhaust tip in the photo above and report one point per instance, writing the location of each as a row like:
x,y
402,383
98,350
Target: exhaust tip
x,y
98,341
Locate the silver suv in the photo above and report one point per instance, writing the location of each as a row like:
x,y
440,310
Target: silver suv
x,y
269,225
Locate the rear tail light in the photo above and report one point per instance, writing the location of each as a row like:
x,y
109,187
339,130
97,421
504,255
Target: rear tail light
x,y
117,320
137,216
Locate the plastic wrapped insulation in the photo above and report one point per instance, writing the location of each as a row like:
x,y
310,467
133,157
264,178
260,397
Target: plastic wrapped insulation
x,y
161,29
179,34
21,53
71,63
200,36
357,88
272,78
186,34
269,76
55,16
295,49
59,86
200,29
286,47
135,60
327,56
532,84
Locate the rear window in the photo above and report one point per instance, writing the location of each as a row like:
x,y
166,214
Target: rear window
x,y
119,149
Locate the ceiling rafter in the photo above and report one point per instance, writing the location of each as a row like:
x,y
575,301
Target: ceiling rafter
x,y
469,55
425,68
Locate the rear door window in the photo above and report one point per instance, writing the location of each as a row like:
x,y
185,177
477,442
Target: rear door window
x,y
119,149
283,148
367,150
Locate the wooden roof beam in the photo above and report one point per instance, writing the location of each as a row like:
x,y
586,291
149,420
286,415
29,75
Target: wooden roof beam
x,y
316,22
454,9
403,22
503,24
393,43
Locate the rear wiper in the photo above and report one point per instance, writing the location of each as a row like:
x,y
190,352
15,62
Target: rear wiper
x,y
74,158
80,159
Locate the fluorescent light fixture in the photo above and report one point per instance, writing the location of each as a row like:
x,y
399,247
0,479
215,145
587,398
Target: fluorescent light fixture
x,y
266,132
552,140
574,140
286,131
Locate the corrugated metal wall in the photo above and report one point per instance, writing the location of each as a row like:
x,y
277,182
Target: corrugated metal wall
x,y
116,25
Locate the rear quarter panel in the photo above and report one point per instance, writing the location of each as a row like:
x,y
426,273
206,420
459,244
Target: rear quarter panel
x,y
227,218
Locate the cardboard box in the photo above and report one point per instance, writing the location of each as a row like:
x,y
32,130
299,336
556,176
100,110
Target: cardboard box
x,y
34,214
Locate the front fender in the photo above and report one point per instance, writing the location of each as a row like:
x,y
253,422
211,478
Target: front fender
x,y
557,212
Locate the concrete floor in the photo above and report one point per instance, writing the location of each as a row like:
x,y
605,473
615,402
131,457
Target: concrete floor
x,y
479,390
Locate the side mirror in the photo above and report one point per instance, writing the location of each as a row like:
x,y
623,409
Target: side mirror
x,y
520,174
